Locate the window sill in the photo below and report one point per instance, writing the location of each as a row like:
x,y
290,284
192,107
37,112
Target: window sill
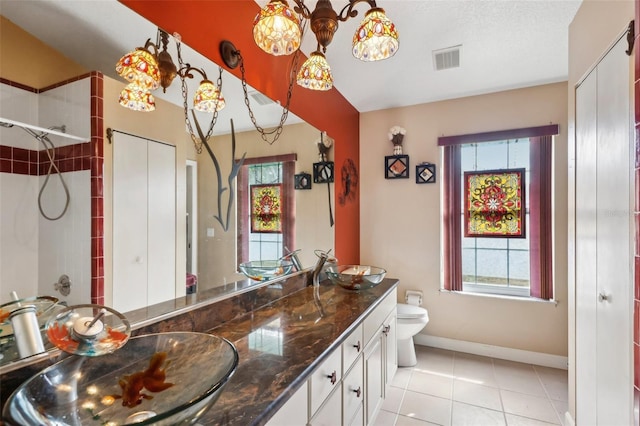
x,y
501,296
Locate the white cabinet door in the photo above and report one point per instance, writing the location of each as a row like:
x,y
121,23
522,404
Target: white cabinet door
x,y
331,412
129,222
374,376
353,392
604,250
161,169
144,222
391,348
294,412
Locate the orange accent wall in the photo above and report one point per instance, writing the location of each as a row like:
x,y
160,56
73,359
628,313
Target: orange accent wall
x,y
204,24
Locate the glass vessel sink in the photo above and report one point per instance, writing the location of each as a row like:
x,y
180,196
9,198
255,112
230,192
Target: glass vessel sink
x,y
161,379
261,270
355,277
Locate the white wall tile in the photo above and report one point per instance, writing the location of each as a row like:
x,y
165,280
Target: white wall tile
x,y
18,236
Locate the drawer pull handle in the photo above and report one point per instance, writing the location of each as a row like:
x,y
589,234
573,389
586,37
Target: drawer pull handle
x,y
357,346
386,329
333,377
358,392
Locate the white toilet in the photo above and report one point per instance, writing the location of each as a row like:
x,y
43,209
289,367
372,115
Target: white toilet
x,y
411,319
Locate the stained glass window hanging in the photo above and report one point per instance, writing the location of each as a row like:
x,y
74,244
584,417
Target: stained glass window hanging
x,y
266,208
494,204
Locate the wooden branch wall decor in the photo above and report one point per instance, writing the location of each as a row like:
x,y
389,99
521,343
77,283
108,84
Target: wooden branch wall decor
x,y
235,169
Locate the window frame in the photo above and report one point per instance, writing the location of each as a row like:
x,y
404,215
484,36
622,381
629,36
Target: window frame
x,y
288,202
541,190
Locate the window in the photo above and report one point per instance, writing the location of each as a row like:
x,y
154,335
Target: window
x,y
493,264
263,243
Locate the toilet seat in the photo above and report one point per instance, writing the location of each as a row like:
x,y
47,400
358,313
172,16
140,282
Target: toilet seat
x,y
410,311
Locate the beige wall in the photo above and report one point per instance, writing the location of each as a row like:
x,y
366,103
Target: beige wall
x,y
400,220
594,29
18,48
217,255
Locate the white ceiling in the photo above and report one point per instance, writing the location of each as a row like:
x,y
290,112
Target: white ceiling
x,y
506,44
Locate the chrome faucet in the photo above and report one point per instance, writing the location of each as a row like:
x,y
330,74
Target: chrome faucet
x,y
323,257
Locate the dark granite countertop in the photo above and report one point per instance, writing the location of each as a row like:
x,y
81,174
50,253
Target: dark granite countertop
x,y
282,343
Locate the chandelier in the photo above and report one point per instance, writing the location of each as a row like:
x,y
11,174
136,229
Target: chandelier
x,y
149,68
277,31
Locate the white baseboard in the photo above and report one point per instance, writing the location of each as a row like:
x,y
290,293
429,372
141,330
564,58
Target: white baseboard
x,y
518,355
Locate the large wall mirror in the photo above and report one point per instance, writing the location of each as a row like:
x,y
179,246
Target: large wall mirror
x,y
48,49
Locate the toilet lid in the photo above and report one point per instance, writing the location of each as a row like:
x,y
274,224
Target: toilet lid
x,y
410,311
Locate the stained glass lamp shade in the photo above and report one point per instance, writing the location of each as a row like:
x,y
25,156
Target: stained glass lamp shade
x,y
137,98
276,29
376,37
140,67
208,97
315,73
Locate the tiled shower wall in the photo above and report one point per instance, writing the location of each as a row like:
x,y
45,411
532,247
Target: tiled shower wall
x,y
56,247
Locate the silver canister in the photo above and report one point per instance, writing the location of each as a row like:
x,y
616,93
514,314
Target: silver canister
x,y
26,331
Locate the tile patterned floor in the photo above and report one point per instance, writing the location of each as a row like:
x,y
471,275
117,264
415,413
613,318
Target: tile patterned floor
x,y
453,388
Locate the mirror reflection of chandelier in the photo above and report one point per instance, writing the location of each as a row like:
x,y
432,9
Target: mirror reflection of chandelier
x,y
147,70
277,31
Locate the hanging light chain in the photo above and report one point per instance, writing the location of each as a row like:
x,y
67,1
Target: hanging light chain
x,y
197,143
285,110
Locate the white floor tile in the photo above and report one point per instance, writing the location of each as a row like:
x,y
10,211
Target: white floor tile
x,y
435,384
482,396
555,382
474,369
530,406
453,388
393,400
410,421
426,407
470,415
561,409
513,420
401,378
518,377
434,360
385,418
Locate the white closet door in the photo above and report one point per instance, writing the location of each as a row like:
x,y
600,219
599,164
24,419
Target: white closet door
x,y
129,222
162,223
615,251
604,252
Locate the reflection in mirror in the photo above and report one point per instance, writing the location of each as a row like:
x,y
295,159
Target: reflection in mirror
x,y
76,252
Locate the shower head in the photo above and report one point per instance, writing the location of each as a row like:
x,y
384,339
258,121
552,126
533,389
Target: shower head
x,y
6,125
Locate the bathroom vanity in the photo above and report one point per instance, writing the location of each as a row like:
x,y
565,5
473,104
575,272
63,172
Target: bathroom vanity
x,y
319,359
309,355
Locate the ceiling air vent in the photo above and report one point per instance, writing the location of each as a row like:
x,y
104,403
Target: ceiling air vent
x,y
444,59
260,98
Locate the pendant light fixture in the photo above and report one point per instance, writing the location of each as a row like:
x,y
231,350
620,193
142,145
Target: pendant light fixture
x,y
274,31
149,68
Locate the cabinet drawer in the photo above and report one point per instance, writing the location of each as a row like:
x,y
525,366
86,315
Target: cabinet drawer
x,y
353,391
374,320
326,377
352,347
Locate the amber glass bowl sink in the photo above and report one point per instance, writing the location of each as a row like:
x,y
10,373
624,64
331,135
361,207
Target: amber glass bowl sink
x,y
161,379
355,277
262,270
